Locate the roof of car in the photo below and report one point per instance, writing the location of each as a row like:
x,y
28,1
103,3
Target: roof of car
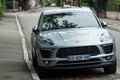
x,y
60,10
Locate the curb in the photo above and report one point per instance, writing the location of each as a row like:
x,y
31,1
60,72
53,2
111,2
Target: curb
x,y
28,62
7,15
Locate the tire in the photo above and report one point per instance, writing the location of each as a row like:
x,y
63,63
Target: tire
x,y
111,69
34,60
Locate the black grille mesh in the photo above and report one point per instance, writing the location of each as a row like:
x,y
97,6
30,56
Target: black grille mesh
x,y
64,52
108,48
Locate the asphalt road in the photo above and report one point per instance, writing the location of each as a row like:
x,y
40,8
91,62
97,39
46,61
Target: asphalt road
x,y
28,21
12,64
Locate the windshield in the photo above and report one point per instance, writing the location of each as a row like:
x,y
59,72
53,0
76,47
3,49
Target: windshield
x,y
68,20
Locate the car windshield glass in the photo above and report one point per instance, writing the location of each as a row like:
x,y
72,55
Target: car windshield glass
x,y
69,20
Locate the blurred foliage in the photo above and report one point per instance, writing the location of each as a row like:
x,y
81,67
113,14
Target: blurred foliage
x,y
118,4
1,13
112,5
45,2
58,2
2,7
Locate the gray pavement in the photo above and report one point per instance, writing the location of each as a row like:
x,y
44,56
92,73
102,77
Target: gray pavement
x,y
112,24
12,64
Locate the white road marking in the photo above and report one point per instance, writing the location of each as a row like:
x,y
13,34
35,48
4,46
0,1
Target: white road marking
x,y
29,63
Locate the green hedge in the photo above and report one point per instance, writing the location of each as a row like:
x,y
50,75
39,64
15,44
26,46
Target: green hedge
x,y
2,7
1,13
112,5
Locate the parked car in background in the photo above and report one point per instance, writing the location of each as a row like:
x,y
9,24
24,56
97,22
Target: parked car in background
x,y
72,38
53,5
66,6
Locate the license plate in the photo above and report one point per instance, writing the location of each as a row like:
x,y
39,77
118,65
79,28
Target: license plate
x,y
78,57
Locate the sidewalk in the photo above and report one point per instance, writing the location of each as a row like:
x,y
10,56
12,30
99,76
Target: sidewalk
x,y
12,64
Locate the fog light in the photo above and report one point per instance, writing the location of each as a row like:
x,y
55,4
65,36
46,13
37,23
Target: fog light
x,y
46,62
109,57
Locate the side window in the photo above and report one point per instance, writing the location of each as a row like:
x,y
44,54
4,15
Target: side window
x,y
40,21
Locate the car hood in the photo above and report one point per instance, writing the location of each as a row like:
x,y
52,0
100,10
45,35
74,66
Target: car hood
x,y
75,37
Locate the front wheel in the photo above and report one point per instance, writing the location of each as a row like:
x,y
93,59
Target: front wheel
x,y
111,69
34,60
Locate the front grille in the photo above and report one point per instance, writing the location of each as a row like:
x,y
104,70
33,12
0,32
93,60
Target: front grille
x,y
64,52
107,48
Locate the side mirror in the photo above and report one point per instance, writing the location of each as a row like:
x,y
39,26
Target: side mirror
x,y
35,29
104,24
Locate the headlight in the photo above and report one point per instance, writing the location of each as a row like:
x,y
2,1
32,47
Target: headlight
x,y
44,41
105,37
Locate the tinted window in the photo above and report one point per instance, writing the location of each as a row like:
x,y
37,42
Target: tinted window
x,y
69,20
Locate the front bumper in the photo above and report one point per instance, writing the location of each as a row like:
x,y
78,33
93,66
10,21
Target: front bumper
x,y
102,56
78,66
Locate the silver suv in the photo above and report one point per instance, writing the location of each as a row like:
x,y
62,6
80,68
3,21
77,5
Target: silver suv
x,y
72,38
